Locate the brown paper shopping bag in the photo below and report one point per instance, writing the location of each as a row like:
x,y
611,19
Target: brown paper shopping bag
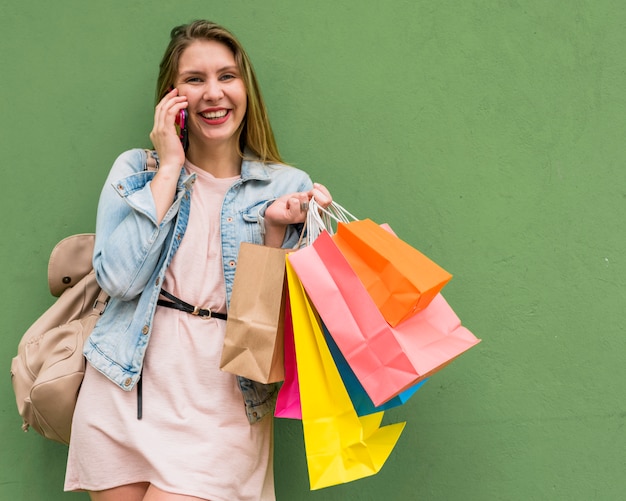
x,y
253,344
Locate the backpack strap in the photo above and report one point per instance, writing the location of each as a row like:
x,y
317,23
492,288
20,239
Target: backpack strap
x,y
101,302
152,160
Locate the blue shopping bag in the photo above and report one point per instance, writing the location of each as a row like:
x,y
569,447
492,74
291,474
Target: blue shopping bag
x,y
362,402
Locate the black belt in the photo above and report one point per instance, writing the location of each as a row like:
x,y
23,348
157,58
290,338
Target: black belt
x,y
179,304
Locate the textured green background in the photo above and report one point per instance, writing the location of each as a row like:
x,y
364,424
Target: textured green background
x,y
490,134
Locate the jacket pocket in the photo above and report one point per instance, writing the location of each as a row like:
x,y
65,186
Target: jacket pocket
x,y
250,217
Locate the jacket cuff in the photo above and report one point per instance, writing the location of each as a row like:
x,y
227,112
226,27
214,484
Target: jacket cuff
x,y
261,215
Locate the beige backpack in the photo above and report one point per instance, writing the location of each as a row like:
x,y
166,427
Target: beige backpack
x,y
49,367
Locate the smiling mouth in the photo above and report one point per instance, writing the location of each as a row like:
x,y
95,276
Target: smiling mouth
x,y
212,115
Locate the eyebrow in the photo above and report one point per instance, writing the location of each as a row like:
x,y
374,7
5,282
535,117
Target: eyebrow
x,y
221,70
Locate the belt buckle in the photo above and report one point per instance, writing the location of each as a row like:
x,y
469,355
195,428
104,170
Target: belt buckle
x,y
200,312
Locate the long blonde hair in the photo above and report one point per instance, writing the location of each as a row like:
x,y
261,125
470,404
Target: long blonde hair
x,y
255,131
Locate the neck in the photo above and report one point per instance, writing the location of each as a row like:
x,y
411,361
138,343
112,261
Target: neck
x,y
220,160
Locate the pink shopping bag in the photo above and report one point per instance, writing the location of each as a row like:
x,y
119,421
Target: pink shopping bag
x,y
387,360
288,400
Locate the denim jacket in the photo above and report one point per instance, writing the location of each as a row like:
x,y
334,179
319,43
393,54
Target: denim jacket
x,y
133,251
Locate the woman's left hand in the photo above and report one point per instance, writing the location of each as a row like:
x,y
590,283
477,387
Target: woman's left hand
x,y
292,208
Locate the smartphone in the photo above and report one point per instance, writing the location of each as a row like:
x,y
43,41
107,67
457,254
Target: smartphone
x,y
181,127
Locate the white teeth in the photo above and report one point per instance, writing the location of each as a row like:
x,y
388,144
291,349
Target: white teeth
x,y
215,114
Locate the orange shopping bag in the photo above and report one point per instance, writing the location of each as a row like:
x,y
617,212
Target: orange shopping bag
x,y
400,279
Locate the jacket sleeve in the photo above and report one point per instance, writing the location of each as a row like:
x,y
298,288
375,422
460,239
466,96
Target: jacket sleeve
x,y
129,241
301,182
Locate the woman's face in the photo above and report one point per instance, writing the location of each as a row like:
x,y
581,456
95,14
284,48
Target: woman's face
x,y
208,75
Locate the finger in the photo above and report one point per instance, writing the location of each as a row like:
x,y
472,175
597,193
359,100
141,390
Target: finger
x,y
321,188
290,203
304,201
322,195
318,190
166,112
297,207
297,203
171,103
170,94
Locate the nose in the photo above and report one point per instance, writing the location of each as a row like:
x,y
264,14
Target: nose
x,y
213,90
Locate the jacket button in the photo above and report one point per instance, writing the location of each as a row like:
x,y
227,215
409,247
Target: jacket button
x,y
128,381
229,219
145,329
231,264
120,186
157,281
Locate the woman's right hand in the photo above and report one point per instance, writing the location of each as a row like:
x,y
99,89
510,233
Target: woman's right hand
x,y
170,151
163,135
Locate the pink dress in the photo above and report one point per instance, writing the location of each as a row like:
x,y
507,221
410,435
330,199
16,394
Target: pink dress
x,y
194,437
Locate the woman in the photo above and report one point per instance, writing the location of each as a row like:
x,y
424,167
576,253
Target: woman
x,y
183,429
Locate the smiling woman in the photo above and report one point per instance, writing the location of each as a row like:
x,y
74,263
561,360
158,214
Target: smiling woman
x,y
216,100
156,419
256,132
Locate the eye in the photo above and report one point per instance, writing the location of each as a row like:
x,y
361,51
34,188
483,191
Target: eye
x,y
227,76
193,80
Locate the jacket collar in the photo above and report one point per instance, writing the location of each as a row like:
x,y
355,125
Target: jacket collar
x,y
254,170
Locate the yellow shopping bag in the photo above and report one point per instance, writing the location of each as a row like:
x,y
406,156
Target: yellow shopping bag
x,y
340,446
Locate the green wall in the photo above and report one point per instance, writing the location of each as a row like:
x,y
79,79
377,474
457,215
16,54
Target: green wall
x,y
490,134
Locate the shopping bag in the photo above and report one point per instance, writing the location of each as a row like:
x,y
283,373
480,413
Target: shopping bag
x,y
253,343
340,446
288,400
400,279
387,360
361,401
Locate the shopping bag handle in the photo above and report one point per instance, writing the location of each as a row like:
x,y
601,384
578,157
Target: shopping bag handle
x,y
321,219
338,213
